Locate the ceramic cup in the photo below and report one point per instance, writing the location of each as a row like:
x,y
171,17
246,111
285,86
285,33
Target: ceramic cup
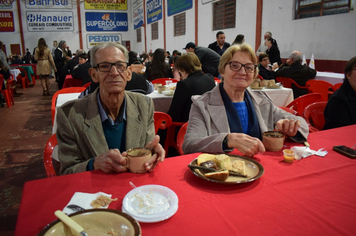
x,y
273,141
136,159
161,88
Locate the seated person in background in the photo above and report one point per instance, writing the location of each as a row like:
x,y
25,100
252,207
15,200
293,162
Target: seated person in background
x,y
209,59
4,71
294,69
341,108
158,68
69,67
16,60
94,131
175,53
219,46
81,71
240,39
193,82
273,51
265,68
231,116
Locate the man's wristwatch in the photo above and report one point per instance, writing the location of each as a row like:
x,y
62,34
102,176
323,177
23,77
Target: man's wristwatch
x,y
225,144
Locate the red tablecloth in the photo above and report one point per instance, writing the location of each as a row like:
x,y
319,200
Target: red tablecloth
x,y
314,196
71,82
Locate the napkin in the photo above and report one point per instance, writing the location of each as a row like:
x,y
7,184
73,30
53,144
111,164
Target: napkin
x,y
303,152
83,200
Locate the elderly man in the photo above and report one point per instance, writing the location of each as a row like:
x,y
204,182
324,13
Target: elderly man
x,y
94,131
263,47
294,69
209,59
219,45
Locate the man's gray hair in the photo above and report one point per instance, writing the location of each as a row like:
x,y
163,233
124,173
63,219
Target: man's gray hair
x,y
79,51
107,45
297,56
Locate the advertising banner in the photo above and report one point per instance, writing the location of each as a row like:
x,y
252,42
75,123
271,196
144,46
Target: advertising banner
x,y
154,10
105,4
94,39
52,4
49,21
101,21
138,16
7,21
177,6
6,4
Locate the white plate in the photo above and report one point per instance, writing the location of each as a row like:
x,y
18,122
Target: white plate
x,y
150,203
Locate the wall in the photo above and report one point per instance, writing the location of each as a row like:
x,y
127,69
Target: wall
x,y
328,37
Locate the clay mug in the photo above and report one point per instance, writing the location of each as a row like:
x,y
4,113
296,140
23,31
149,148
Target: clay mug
x,y
136,159
273,141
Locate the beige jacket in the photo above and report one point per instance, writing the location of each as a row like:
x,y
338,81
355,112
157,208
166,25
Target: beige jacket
x,y
208,123
44,63
80,133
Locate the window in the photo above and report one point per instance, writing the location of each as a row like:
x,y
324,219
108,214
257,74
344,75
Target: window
x,y
224,14
179,24
154,29
138,35
312,8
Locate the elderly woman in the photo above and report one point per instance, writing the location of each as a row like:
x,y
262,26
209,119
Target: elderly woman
x,y
193,82
231,116
61,57
341,108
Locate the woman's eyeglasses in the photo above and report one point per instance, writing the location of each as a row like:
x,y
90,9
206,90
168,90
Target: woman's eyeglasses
x,y
236,66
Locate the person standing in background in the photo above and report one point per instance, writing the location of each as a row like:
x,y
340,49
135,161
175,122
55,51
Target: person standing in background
x,y
55,45
45,63
3,56
240,39
263,47
60,59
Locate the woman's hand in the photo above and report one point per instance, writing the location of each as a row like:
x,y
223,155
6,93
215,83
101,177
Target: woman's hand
x,y
110,161
288,127
159,154
246,144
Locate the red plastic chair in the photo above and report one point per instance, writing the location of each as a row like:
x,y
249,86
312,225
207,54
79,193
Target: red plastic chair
x,y
171,136
287,82
337,86
217,80
320,86
314,116
260,77
163,81
180,138
23,78
86,85
47,156
290,110
11,84
300,103
161,120
64,90
7,93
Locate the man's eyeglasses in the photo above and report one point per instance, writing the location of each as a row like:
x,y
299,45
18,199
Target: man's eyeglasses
x,y
266,59
236,66
106,66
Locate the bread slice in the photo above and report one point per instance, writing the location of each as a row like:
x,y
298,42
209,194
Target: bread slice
x,y
238,166
223,162
205,157
218,175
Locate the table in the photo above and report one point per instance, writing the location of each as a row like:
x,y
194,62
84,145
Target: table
x,y
314,196
29,71
281,97
71,82
330,77
15,73
160,101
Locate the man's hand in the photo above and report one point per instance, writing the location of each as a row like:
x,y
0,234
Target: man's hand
x,y
159,154
110,161
246,144
288,127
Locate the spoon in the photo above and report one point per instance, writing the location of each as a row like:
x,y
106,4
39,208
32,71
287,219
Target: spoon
x,y
75,207
142,196
70,222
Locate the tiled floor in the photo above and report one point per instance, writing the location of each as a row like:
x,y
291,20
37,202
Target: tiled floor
x,y
25,128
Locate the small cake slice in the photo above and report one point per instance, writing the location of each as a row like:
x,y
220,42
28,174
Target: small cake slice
x,y
223,162
218,175
238,166
205,157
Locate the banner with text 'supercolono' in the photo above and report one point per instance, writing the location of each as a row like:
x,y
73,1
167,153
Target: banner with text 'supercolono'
x,y
106,21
